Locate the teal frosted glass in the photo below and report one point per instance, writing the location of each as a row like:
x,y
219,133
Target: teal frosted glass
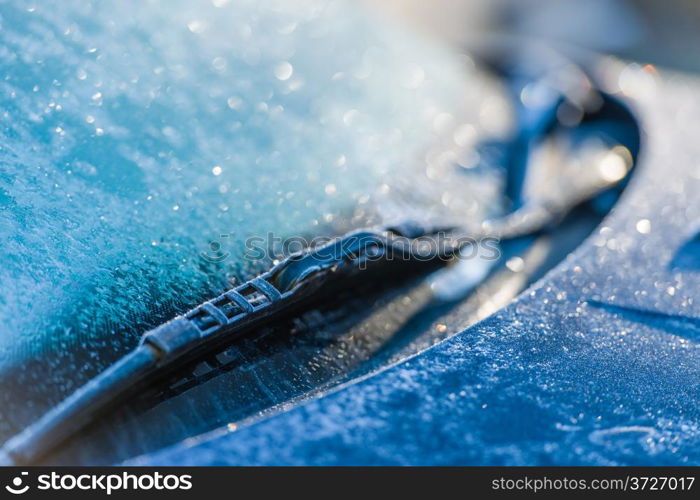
x,y
134,133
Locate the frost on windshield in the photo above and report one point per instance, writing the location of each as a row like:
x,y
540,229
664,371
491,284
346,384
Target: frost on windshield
x,y
133,133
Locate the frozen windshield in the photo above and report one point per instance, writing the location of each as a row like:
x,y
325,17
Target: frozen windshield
x,y
140,138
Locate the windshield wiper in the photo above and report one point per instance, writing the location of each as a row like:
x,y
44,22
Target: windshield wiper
x,y
293,283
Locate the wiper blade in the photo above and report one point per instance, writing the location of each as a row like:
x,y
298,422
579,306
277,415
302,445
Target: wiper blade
x,y
301,277
279,290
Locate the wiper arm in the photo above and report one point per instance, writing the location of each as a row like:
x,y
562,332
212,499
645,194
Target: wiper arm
x,y
303,276
295,279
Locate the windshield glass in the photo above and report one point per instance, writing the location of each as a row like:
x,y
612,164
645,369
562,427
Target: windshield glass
x,y
143,145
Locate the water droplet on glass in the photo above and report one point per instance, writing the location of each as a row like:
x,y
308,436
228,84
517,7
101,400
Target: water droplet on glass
x,y
644,226
284,71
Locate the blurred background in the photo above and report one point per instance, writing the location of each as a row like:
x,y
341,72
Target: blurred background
x,y
665,33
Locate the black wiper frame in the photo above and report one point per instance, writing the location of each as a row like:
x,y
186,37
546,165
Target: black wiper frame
x,y
298,279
